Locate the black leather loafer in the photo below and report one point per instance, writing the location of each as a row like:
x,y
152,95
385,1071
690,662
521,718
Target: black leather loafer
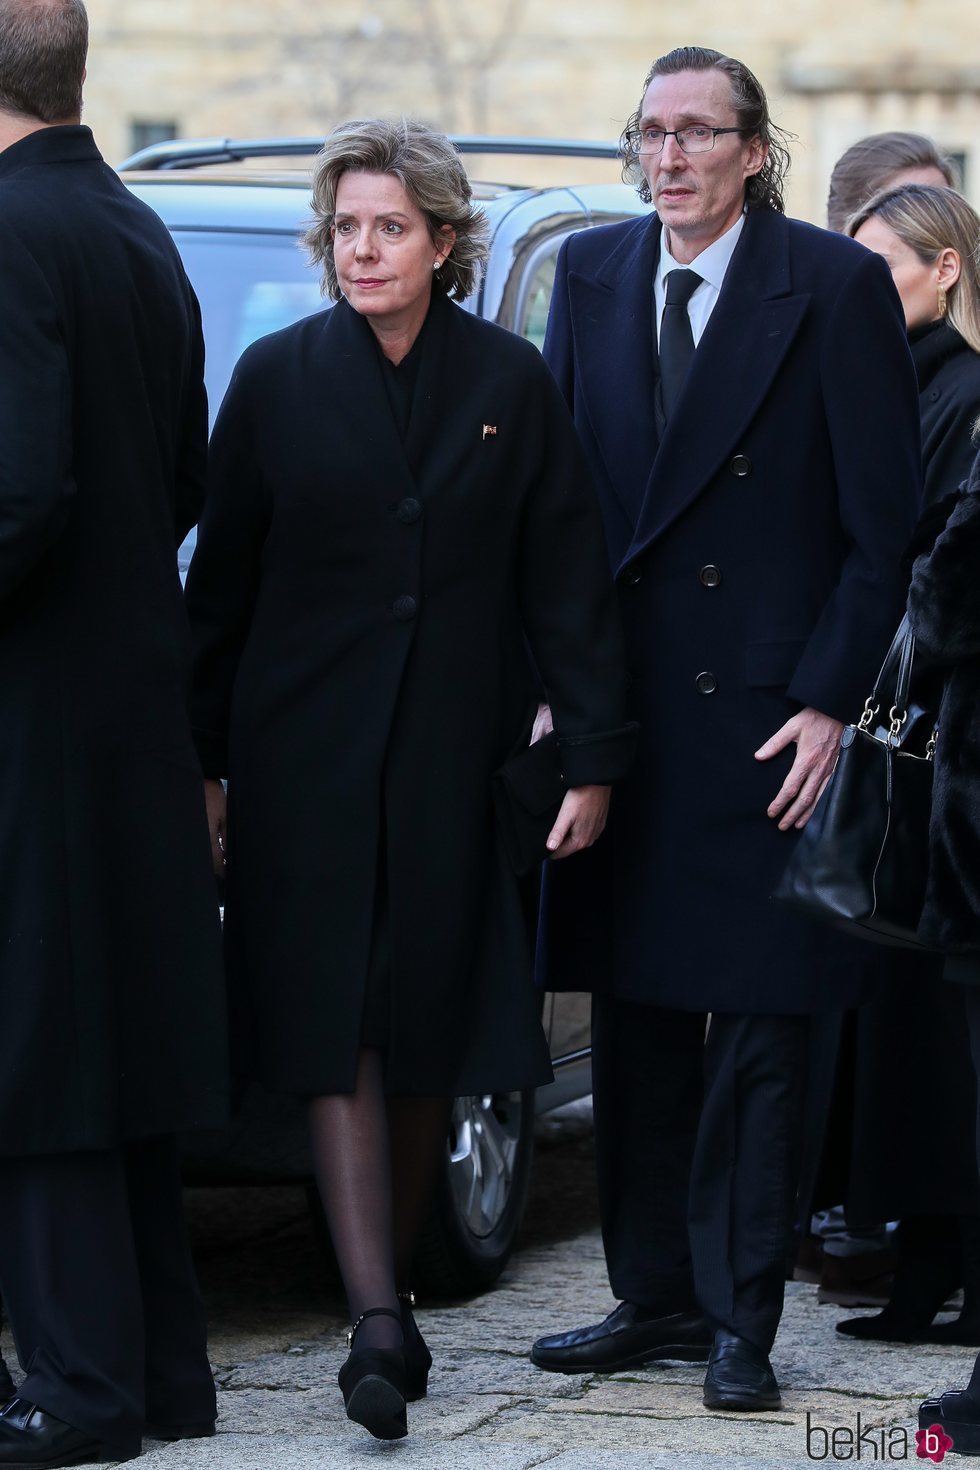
x,y
739,1376
30,1439
627,1338
958,1416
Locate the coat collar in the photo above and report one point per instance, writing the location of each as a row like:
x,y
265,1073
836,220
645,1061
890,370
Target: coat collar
x,y
932,346
68,144
359,391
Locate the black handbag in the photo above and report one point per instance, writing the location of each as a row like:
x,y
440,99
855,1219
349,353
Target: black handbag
x,y
861,861
528,791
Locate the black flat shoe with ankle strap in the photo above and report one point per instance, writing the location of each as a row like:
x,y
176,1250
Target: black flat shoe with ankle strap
x,y
373,1383
418,1359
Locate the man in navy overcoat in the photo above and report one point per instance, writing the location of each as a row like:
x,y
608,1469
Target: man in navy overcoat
x,y
753,434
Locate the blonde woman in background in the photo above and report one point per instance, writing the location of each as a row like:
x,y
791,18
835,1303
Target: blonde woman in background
x,y
930,240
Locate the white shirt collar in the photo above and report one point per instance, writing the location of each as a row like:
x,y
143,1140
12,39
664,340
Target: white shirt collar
x,y
713,261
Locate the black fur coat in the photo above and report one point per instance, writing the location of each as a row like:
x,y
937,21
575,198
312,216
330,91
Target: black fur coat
x,y
944,606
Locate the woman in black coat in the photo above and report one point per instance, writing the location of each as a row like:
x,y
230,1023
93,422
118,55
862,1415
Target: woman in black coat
x,y
930,237
398,511
944,607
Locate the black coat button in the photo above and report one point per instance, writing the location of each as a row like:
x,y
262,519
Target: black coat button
x,y
710,576
706,683
404,608
408,511
741,466
630,575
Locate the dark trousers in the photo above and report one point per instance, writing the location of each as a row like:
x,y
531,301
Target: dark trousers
x,y
697,1148
98,1282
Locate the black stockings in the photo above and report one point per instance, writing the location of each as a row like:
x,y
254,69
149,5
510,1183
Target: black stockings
x,y
376,1161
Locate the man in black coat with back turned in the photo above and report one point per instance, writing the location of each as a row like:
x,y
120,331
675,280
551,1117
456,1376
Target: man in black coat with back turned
x,y
112,1033
744,392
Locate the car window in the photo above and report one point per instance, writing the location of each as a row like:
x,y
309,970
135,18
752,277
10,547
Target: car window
x,y
533,317
537,285
248,286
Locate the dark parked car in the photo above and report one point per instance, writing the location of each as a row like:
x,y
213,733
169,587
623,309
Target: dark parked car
x,y
236,211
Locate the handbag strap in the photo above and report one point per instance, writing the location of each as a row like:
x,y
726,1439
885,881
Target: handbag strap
x,y
893,681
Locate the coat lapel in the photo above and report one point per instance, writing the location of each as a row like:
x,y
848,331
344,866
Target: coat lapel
x,y
433,385
360,401
747,337
613,315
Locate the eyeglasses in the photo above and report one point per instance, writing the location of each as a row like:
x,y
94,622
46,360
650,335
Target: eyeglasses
x,y
698,138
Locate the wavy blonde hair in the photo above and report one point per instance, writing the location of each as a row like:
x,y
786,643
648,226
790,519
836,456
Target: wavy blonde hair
x,y
429,168
929,220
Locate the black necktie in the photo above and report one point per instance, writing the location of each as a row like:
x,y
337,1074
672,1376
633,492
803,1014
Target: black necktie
x,y
676,337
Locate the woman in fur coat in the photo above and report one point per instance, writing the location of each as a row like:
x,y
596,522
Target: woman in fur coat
x,y
944,606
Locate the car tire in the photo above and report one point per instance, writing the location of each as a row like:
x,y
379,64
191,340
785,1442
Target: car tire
x,y
480,1195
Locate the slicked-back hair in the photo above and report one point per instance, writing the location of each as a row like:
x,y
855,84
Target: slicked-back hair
x,y
432,174
871,164
929,220
766,188
42,58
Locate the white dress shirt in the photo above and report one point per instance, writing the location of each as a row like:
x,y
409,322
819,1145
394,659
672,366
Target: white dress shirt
x,y
711,265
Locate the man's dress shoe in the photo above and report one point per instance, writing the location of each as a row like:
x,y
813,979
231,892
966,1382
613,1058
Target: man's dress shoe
x,y
30,1439
627,1337
739,1376
957,1414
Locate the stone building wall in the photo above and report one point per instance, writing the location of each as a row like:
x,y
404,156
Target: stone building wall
x,y
834,70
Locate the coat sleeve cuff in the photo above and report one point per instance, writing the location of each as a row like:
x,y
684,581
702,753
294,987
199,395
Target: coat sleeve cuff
x,y
600,759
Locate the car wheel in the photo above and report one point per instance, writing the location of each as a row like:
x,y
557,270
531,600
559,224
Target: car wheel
x,y
480,1195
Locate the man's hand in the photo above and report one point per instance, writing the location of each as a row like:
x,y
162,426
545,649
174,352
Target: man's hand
x,y
816,738
580,821
216,803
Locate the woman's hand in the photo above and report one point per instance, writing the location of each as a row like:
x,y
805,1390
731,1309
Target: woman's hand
x,y
580,821
217,806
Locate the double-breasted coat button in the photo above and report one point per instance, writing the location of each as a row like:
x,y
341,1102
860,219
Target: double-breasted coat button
x,y
404,608
630,575
408,511
710,576
741,466
706,683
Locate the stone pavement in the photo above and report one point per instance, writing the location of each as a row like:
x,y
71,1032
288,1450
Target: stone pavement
x,y
488,1407
277,1342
